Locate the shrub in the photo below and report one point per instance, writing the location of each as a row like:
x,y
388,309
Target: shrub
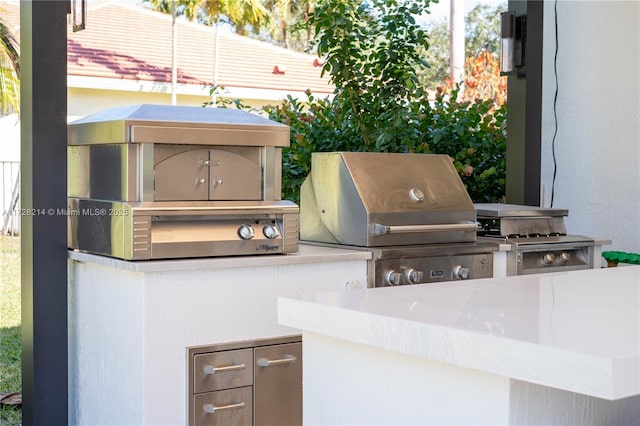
x,y
371,51
471,133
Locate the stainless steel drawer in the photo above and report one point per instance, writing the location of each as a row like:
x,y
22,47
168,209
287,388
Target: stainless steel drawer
x,y
251,382
278,385
223,370
233,407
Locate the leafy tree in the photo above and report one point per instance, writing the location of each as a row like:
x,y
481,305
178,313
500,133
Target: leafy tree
x,y
437,55
288,21
9,71
482,33
164,6
482,80
482,29
371,51
241,14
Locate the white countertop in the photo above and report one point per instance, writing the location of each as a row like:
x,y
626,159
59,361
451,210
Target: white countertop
x,y
305,254
578,331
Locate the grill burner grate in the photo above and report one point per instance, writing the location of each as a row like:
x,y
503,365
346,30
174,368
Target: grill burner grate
x,y
525,227
536,235
494,233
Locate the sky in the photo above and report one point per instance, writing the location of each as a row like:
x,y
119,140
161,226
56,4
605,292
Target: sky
x,y
440,10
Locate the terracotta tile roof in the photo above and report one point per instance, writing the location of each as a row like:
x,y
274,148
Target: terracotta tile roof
x,y
126,41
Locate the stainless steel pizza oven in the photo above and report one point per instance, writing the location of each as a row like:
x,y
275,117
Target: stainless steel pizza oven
x,y
411,211
156,181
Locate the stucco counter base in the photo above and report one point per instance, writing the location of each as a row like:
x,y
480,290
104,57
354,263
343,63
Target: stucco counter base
x,y
130,322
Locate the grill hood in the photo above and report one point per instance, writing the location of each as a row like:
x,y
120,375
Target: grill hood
x,y
385,199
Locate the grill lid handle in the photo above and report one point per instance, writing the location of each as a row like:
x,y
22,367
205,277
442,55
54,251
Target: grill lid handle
x,y
378,229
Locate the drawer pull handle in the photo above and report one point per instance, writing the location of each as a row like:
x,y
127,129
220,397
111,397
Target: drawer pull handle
x,y
212,409
287,359
209,369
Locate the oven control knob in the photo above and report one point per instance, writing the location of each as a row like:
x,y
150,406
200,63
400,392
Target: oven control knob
x,y
245,232
564,257
394,278
462,272
548,258
413,276
270,231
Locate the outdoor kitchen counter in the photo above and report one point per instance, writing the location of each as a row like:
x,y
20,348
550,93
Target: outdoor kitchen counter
x,y
516,350
305,254
131,322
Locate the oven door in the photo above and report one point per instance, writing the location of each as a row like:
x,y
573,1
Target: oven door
x,y
224,174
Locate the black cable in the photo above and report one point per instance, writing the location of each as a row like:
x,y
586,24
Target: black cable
x,y
555,106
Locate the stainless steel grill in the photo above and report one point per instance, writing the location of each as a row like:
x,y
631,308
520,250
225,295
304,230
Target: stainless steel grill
x,y
155,181
538,238
410,210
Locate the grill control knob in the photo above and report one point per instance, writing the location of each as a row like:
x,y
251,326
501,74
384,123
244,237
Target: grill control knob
x,y
413,276
270,231
416,195
564,257
394,278
245,232
462,272
548,258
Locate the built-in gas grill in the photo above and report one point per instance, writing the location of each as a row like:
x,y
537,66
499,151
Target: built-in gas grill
x,y
411,211
538,238
159,181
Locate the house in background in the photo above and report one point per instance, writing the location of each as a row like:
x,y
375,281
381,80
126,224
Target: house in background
x,y
124,57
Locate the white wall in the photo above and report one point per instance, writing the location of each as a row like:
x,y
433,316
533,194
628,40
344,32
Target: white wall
x,y
88,96
9,152
82,102
598,141
10,138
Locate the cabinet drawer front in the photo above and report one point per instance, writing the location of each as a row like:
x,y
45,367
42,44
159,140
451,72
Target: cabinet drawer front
x,y
233,407
278,385
223,370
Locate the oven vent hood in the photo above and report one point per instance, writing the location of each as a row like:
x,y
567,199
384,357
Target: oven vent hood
x,y
171,124
385,199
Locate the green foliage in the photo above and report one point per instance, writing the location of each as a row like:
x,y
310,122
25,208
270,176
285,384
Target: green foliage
x,y
245,16
220,99
286,27
9,70
10,337
315,127
437,56
482,29
371,51
473,135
